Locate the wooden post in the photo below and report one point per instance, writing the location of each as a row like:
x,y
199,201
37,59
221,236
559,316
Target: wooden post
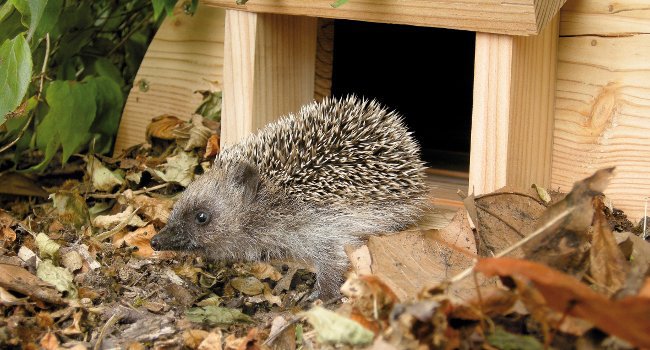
x,y
183,57
512,119
268,70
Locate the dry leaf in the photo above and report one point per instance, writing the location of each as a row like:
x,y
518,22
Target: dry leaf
x,y
70,207
17,279
153,209
333,328
192,338
247,285
20,185
607,266
286,340
102,178
49,342
178,169
411,260
212,341
162,127
627,318
141,239
212,148
111,221
263,271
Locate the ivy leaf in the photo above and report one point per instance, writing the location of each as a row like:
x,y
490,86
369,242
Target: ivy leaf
x,y
105,68
15,73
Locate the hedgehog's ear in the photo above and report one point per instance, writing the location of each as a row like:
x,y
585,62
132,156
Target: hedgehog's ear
x,y
248,177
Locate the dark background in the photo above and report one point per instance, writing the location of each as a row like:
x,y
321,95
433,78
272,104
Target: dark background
x,y
426,74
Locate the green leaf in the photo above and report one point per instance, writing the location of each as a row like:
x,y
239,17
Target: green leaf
x,y
49,18
338,3
508,341
36,9
160,5
110,101
15,74
11,25
333,328
5,10
105,68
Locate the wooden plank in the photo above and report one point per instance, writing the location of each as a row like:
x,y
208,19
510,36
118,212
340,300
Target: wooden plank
x,y
269,70
324,58
512,118
602,113
182,58
514,17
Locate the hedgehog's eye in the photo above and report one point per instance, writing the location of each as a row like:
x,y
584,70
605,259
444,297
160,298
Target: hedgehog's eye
x,y
202,217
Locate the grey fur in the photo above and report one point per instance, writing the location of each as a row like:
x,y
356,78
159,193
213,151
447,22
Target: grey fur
x,y
304,187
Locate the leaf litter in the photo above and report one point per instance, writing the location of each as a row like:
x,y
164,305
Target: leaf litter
x,y
517,268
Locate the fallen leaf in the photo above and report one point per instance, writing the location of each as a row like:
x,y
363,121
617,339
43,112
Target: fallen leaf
x,y
333,328
7,298
162,127
192,338
153,209
193,134
110,221
20,185
409,261
178,169
639,260
247,285
214,315
283,334
141,239
263,271
7,234
212,148
17,279
607,265
70,207
102,178
565,245
72,261
46,246
212,341
59,277
507,341
49,342
627,318
542,193
370,296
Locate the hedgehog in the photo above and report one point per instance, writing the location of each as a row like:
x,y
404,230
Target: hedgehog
x,y
303,188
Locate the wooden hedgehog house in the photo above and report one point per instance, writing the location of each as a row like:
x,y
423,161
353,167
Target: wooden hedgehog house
x,y
558,90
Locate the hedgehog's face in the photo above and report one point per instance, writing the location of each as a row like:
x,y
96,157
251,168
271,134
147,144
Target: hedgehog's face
x,y
209,217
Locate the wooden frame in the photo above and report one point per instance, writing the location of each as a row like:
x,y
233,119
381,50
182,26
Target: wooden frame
x,y
515,17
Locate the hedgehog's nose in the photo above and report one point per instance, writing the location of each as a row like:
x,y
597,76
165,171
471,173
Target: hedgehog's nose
x,y
157,240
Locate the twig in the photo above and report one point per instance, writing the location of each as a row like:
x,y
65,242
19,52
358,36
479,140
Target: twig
x,y
38,96
110,323
129,34
115,195
462,275
492,194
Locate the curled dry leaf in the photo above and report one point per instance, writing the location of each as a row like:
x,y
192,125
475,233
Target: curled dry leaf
x,y
212,148
627,318
247,285
59,277
262,271
102,178
212,341
193,135
193,337
178,169
70,207
162,127
370,296
108,222
153,209
46,246
50,342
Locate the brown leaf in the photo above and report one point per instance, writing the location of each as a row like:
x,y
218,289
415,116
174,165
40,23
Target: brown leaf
x,y
49,342
411,260
162,127
627,318
212,148
141,238
20,185
607,266
153,209
564,245
371,299
493,302
20,280
212,341
192,338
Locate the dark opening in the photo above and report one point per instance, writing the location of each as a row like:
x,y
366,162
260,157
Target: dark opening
x,y
426,74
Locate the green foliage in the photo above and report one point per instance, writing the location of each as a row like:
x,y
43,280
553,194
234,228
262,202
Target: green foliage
x,y
66,67
15,73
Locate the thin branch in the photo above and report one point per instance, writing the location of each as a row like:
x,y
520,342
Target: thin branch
x,y
115,195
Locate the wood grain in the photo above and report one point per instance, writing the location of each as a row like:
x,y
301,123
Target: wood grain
x,y
602,115
182,58
512,118
269,70
324,58
515,17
